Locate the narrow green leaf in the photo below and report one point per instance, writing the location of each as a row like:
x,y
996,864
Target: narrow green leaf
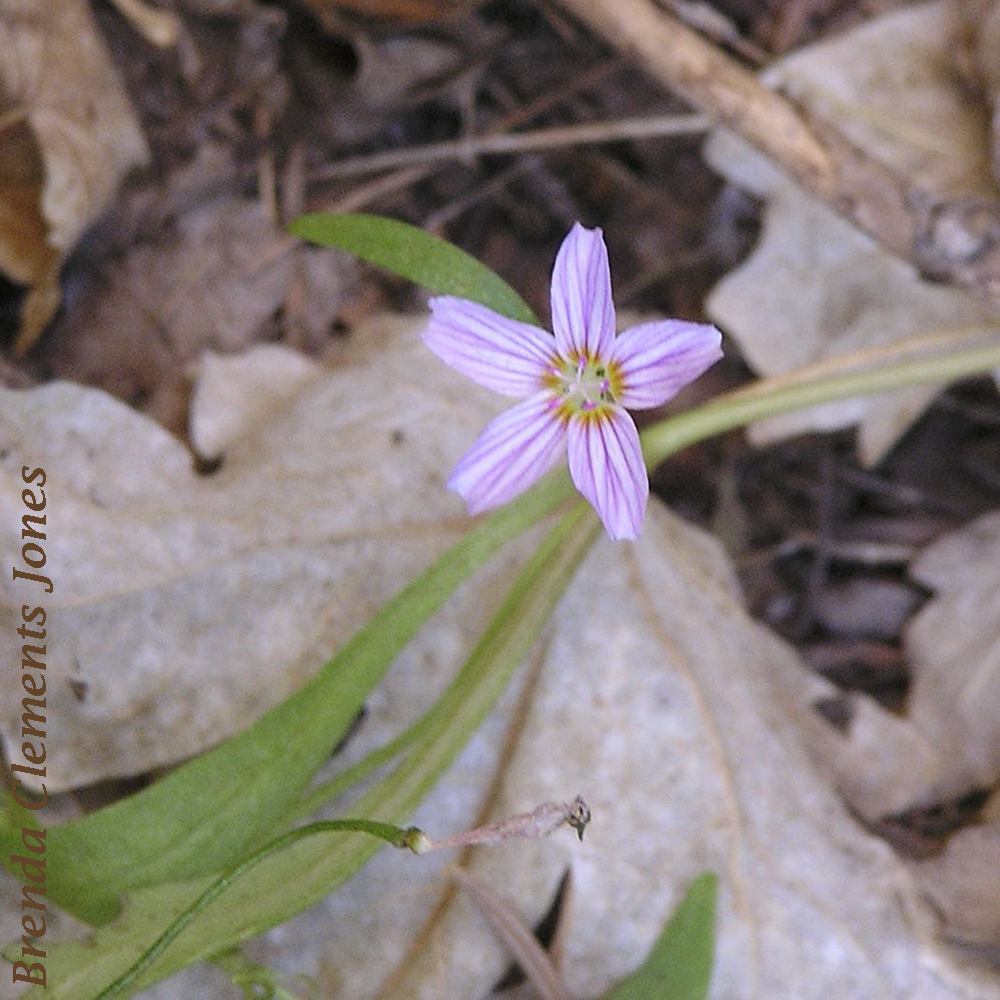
x,y
209,812
679,966
405,250
285,884
396,836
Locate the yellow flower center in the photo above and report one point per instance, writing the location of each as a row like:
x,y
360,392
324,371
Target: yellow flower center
x,y
584,386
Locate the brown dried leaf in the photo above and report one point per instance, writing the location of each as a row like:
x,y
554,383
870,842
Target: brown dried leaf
x,y
815,287
977,56
948,742
214,280
67,137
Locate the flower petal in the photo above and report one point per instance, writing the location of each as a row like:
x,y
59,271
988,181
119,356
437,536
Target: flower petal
x,y
583,316
501,354
605,461
658,359
514,451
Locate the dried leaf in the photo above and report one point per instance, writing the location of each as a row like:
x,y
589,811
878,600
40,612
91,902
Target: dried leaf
x,y
397,71
214,279
67,138
815,287
948,741
681,721
964,883
953,646
977,57
321,510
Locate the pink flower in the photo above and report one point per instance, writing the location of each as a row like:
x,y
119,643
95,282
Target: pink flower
x,y
574,387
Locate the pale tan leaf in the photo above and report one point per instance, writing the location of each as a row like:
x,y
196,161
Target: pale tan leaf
x,y
953,646
964,883
683,723
195,602
948,742
815,287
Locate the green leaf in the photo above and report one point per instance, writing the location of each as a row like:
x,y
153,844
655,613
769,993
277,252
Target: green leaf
x,y
207,813
287,883
679,966
394,835
411,253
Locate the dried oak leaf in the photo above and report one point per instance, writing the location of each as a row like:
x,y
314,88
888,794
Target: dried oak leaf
x,y
947,742
67,138
815,287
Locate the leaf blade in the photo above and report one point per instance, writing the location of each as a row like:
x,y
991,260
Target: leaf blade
x,y
205,814
300,875
679,965
430,262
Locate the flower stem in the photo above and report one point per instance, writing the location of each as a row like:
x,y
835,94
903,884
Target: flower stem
x,y
740,407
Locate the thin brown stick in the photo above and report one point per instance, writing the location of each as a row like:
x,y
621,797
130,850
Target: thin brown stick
x,y
590,77
591,133
515,933
957,241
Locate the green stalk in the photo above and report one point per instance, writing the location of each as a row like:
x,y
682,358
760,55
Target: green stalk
x,y
742,407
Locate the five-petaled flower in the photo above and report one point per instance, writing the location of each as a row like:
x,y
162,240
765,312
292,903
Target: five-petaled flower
x,y
574,387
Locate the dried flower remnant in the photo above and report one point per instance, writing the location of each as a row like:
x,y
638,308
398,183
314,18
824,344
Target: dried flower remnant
x,y
574,388
540,822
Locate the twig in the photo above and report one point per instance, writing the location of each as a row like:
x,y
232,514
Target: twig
x,y
512,930
521,142
358,198
705,18
957,240
437,220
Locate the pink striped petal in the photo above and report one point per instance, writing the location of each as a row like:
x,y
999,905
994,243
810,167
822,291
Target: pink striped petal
x,y
583,316
501,354
658,359
605,461
514,451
